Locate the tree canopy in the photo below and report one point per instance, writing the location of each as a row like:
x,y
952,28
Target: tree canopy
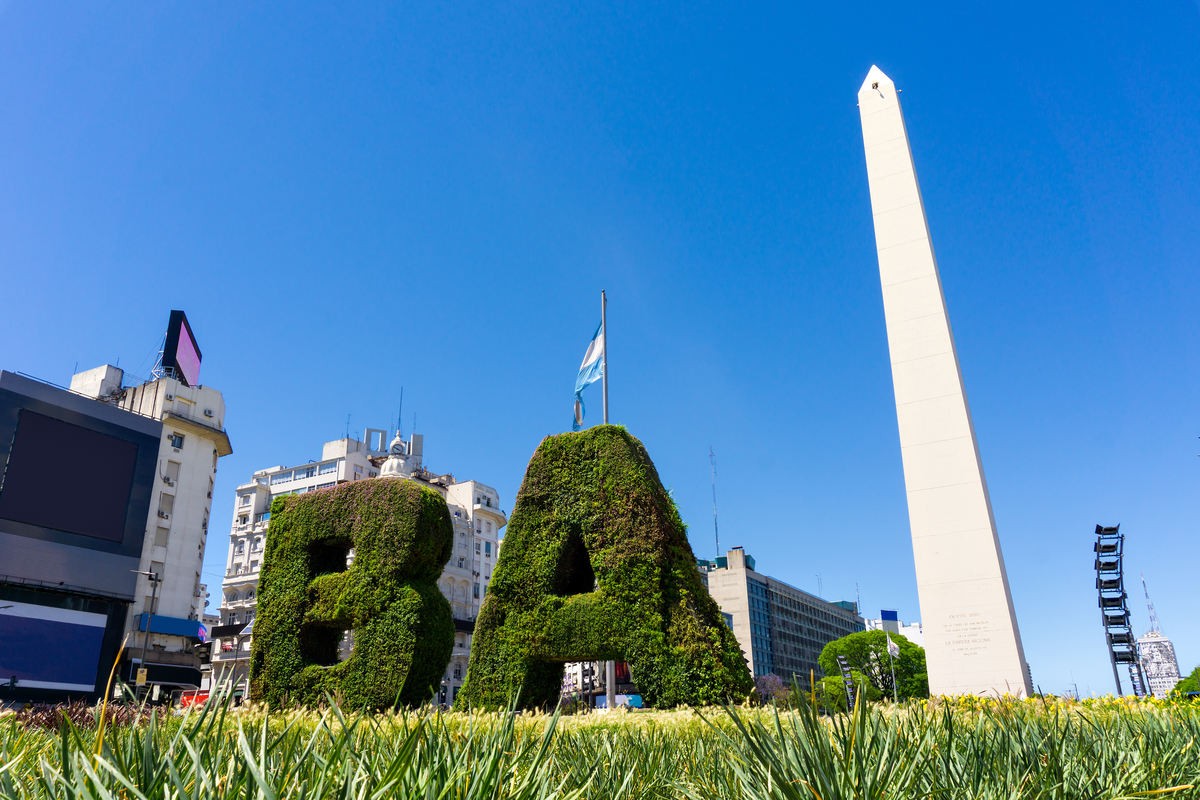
x,y
1189,684
866,652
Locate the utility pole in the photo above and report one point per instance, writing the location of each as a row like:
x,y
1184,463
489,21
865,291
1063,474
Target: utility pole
x,y
155,580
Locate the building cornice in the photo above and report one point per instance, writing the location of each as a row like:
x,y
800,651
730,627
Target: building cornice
x,y
217,435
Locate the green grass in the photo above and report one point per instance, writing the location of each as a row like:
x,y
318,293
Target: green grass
x,y
968,749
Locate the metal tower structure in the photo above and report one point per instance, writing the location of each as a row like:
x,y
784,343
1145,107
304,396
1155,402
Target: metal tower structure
x,y
1114,609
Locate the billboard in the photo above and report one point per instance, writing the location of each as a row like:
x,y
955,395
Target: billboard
x,y
86,533
99,503
180,352
54,648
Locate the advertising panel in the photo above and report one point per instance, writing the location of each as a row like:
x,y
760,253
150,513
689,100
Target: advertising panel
x,y
180,353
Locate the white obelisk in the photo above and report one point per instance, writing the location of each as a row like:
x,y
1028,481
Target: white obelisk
x,y
972,644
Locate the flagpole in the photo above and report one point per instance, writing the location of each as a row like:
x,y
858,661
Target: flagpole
x,y
604,351
610,667
895,691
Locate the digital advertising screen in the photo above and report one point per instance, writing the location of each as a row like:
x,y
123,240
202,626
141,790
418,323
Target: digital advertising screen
x,y
102,469
180,351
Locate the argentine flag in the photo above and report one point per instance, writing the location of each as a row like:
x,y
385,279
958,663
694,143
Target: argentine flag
x,y
590,371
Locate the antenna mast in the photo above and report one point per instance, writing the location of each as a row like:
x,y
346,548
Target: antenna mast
x,y
400,412
1150,606
712,460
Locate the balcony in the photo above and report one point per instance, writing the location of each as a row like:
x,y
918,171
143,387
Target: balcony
x,y
491,511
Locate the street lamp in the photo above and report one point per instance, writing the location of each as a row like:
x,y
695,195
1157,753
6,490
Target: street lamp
x,y
155,580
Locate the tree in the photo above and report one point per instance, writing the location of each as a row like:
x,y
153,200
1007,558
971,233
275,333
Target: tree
x,y
831,691
1189,684
866,652
771,688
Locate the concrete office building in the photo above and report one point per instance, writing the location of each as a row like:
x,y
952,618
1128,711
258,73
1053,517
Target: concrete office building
x,y
192,441
474,510
68,553
890,621
781,629
1159,664
972,643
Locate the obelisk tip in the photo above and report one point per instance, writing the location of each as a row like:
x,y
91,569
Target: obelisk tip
x,y
877,82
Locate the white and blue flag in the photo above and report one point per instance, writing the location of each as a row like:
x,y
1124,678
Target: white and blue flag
x,y
590,371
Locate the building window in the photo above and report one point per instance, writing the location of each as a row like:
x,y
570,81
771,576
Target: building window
x,y
477,546
176,440
476,592
239,548
462,562
244,500
327,467
257,544
487,549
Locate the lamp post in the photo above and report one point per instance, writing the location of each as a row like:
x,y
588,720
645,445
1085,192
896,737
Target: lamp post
x,y
155,580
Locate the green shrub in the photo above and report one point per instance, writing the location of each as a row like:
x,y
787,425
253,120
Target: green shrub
x,y
596,565
401,537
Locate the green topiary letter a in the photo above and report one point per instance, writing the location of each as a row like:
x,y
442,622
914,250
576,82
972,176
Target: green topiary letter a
x,y
400,536
596,566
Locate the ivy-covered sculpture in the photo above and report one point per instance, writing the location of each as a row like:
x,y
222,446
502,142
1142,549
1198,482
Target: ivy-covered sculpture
x,y
400,536
595,566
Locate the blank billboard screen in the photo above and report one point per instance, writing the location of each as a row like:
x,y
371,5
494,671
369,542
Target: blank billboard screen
x,y
68,478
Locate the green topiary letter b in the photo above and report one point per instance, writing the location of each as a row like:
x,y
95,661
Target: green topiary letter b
x,y
362,558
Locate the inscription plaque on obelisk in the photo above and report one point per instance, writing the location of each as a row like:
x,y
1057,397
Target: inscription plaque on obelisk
x,y
972,644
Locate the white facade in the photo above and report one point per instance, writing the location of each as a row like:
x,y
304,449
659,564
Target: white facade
x,y
972,644
193,440
909,630
474,511
1159,664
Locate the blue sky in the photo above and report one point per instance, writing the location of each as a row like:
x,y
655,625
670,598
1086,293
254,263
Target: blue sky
x,y
351,201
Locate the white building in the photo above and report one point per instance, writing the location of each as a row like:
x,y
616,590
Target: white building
x,y
890,622
1159,664
193,440
474,510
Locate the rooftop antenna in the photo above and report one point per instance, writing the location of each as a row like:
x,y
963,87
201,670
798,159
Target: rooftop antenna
x,y
347,436
712,460
1150,606
858,597
820,587
400,413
